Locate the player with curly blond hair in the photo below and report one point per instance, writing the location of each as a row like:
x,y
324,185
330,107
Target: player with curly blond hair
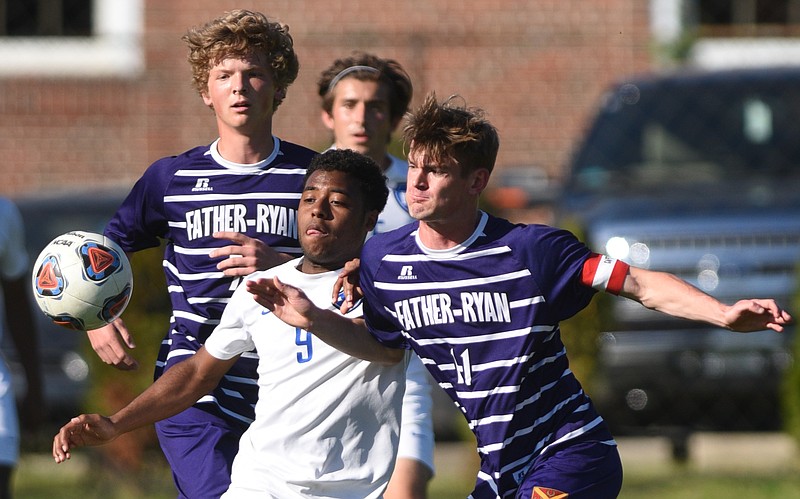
x,y
225,210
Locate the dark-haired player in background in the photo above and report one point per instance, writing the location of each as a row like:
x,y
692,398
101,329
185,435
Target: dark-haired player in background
x,y
364,98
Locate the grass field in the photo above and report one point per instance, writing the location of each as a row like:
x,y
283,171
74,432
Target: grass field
x,y
721,467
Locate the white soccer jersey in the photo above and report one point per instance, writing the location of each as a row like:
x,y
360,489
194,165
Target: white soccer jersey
x,y
326,423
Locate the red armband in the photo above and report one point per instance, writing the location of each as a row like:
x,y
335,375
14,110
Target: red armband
x,y
604,273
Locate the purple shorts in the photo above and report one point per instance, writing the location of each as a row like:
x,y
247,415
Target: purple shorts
x,y
584,470
200,448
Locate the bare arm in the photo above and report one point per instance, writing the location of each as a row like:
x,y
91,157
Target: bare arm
x,y
177,389
246,255
111,342
671,295
350,336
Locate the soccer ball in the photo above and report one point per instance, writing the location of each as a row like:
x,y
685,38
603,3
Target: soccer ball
x,y
82,280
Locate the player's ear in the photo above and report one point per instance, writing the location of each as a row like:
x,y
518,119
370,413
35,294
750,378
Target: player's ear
x,y
371,219
207,99
479,180
327,119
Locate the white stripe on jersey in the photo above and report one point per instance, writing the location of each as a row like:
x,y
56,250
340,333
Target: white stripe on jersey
x,y
500,363
489,480
453,284
191,277
525,431
240,379
231,171
514,333
484,337
195,301
485,393
526,301
232,393
179,198
205,251
576,433
194,317
181,352
183,250
210,399
459,257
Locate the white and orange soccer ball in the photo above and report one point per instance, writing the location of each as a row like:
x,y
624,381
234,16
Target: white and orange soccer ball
x,y
82,280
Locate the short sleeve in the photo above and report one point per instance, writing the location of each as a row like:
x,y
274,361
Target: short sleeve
x,y
231,337
379,321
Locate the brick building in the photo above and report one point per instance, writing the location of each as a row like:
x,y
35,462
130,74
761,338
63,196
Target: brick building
x,y
82,115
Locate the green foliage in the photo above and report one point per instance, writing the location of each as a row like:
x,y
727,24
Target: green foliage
x,y
147,318
790,399
580,333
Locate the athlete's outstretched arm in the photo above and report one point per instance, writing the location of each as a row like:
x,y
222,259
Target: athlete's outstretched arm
x,y
671,295
350,336
177,389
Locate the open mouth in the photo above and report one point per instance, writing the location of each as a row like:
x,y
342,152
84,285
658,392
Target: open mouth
x,y
316,230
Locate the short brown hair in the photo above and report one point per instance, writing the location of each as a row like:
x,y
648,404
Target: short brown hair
x,y
388,71
241,33
451,130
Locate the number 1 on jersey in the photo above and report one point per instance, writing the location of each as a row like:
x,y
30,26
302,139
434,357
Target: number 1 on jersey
x,y
463,369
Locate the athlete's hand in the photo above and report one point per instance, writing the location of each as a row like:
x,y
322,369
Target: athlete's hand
x,y
246,255
110,342
756,315
81,431
349,284
288,303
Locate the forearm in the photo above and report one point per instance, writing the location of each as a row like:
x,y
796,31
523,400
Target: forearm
x,y
671,295
351,337
176,390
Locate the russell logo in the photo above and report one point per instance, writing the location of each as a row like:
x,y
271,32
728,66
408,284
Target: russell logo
x,y
407,273
202,185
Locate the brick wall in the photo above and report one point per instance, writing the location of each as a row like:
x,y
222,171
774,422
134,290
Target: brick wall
x,y
536,66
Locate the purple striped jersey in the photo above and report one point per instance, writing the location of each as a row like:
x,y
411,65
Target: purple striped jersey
x,y
483,317
183,200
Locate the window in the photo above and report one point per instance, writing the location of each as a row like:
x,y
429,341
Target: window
x,y
46,17
748,17
729,33
75,38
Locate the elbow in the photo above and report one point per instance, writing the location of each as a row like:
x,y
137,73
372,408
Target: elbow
x,y
391,356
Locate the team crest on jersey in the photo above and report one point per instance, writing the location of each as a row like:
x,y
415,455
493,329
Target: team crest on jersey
x,y
548,493
400,195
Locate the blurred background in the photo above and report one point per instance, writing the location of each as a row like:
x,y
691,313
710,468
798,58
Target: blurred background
x,y
661,131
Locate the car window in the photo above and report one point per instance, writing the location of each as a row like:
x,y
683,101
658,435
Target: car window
x,y
678,133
